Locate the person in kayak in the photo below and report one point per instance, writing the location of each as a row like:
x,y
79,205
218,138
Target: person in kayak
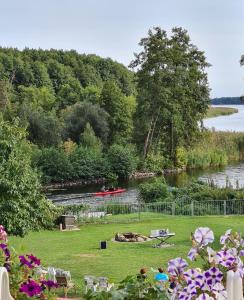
x,y
103,189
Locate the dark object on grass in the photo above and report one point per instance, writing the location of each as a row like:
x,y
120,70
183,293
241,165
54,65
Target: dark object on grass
x,y
103,245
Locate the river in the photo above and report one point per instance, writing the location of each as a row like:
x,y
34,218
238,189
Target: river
x,y
234,172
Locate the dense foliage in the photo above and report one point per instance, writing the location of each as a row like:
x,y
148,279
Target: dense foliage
x,y
22,206
63,97
158,191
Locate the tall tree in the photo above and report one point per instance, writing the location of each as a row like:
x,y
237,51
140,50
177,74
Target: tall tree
x,y
173,91
120,109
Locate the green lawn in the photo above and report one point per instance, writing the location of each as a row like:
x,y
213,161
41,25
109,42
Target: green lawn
x,y
78,251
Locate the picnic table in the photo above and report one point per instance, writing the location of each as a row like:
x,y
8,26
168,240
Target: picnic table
x,y
162,236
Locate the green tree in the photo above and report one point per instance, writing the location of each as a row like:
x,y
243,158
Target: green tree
x,y
44,128
36,98
89,139
173,91
77,116
120,109
22,206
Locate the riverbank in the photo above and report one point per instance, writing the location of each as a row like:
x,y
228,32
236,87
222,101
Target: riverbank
x,y
214,112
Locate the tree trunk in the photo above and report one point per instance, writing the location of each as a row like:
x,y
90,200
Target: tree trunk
x,y
145,150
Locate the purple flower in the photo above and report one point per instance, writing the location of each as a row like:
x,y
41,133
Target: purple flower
x,y
241,253
225,258
176,266
192,276
225,237
212,276
49,284
204,236
34,260
25,262
31,261
204,296
7,266
30,288
192,254
187,293
6,251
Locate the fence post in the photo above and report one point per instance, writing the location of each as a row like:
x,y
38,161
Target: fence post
x,y
173,208
225,207
139,210
192,208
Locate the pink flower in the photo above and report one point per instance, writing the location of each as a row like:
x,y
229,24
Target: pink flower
x,y
3,234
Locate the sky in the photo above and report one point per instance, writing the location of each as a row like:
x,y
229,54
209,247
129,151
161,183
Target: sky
x,y
113,28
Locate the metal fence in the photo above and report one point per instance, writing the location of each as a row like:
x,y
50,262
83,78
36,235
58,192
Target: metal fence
x,y
137,211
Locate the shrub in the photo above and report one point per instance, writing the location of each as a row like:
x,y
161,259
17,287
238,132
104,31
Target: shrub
x,y
54,165
88,163
154,162
122,160
154,191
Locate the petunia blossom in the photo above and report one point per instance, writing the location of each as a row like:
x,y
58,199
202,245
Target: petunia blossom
x,y
212,276
192,254
193,276
3,234
225,259
203,236
176,266
187,293
30,288
225,237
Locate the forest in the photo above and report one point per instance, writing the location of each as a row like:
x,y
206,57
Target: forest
x,y
227,100
88,117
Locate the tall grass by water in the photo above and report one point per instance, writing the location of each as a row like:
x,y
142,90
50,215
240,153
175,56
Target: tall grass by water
x,y
214,149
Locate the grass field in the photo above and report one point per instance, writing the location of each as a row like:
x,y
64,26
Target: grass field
x,y
78,251
220,111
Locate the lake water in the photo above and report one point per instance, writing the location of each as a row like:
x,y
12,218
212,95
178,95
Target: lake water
x,y
234,122
234,172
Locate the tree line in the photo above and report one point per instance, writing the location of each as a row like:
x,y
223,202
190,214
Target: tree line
x,y
89,117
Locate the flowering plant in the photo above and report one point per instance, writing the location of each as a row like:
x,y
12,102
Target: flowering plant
x,y
24,280
209,282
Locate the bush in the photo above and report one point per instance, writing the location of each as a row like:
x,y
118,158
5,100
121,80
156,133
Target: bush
x,y
154,162
122,160
154,191
54,165
88,163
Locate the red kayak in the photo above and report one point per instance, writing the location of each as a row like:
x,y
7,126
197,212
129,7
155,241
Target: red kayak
x,y
109,192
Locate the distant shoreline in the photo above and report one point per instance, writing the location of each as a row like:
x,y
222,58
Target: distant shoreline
x,y
214,112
